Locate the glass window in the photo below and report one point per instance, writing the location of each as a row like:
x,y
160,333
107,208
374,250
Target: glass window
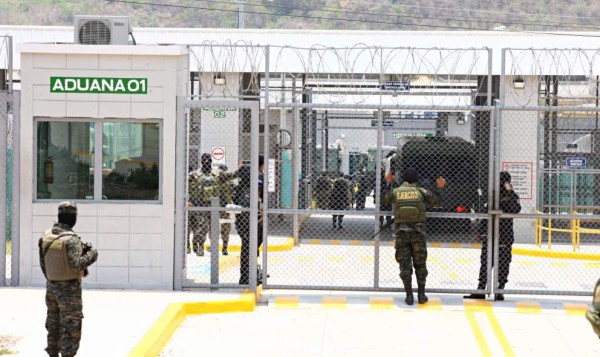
x,y
65,160
130,161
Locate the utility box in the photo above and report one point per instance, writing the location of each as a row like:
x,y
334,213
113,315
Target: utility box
x,y
98,128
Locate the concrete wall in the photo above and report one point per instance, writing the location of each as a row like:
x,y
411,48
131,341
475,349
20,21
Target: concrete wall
x,y
135,241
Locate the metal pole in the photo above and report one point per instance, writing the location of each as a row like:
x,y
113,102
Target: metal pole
x,y
266,181
254,201
180,195
3,185
214,240
295,203
378,177
241,15
489,78
14,118
10,65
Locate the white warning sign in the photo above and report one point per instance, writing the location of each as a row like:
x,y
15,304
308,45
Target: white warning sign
x,y
521,174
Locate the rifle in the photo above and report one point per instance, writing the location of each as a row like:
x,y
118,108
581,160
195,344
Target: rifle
x,y
386,226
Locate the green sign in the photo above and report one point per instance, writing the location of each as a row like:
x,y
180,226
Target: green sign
x,y
99,85
401,135
220,113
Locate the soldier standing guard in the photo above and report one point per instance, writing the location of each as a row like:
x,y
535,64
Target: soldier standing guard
x,y
409,218
64,260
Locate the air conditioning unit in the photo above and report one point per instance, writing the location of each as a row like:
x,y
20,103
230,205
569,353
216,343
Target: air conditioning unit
x,y
102,30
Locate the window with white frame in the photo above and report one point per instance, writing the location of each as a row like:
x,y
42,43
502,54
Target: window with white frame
x,y
67,160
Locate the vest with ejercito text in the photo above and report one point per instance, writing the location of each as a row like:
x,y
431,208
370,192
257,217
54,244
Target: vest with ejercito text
x,y
409,205
56,257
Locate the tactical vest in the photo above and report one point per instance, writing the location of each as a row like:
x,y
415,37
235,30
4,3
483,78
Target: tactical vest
x,y
54,247
409,205
203,188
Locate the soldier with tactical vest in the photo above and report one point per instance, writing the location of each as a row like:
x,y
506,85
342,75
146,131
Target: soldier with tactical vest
x,y
409,217
64,260
203,185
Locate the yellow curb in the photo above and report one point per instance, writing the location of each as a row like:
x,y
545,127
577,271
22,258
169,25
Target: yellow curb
x,y
381,303
159,335
557,255
287,302
477,305
432,304
529,308
279,247
331,302
575,309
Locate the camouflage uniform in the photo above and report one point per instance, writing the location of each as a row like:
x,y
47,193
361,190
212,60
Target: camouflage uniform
x,y
410,245
199,221
63,298
225,183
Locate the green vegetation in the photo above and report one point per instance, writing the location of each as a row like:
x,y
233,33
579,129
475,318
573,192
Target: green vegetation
x,y
539,15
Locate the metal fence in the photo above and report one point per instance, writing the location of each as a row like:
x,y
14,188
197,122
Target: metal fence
x,y
4,242
330,131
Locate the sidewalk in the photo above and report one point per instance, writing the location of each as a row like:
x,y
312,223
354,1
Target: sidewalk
x,y
114,320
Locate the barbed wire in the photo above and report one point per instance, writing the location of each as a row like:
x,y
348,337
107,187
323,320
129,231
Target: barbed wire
x,y
349,75
574,69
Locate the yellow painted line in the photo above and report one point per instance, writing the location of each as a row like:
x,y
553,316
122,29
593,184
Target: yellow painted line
x,y
275,259
475,245
592,265
455,245
337,259
287,245
559,264
576,309
382,303
557,255
306,259
335,242
314,241
529,308
433,260
367,259
331,302
464,260
287,302
500,334
481,342
432,304
476,305
228,261
160,333
526,263
435,244
355,242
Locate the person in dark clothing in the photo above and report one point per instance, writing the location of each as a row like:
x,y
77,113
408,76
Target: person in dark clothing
x,y
242,220
509,203
340,198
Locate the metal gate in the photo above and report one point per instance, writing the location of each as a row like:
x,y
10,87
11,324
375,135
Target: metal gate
x,y
227,132
339,239
4,243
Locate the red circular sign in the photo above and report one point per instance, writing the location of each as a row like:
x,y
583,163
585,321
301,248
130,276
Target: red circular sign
x,y
218,153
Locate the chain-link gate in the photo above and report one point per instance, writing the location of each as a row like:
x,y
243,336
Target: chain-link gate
x,y
553,157
340,223
217,158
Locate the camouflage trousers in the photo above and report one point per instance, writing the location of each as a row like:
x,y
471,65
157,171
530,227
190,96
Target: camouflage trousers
x,y
199,223
63,319
411,250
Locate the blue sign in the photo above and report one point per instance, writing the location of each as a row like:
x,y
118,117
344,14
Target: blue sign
x,y
395,85
575,162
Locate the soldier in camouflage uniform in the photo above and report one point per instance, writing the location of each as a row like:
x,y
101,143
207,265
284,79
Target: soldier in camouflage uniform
x,y
64,260
409,217
202,186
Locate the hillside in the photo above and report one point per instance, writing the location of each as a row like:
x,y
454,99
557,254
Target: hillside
x,y
534,15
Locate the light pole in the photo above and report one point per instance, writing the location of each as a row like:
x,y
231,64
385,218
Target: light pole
x,y
241,15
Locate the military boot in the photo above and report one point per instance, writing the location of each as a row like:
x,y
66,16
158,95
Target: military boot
x,y
421,294
476,296
410,299
224,250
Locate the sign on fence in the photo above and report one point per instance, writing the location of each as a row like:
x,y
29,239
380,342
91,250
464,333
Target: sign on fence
x,y
395,85
521,177
576,162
